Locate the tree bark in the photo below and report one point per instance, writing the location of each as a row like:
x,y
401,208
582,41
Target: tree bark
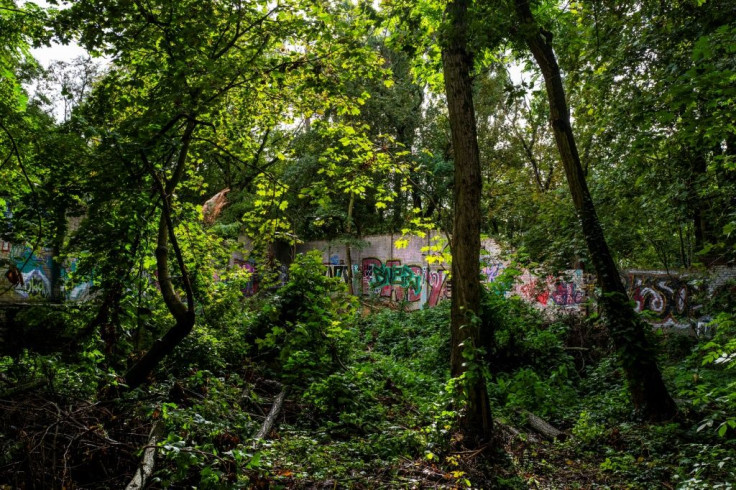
x,y
628,331
348,255
457,60
278,402
145,470
183,313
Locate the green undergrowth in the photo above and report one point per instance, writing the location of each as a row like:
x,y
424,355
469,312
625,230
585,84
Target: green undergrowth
x,y
368,401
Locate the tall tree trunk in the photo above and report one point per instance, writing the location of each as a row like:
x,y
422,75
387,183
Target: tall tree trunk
x,y
183,313
477,423
636,353
348,255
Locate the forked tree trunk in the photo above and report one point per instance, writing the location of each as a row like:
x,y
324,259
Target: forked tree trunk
x,y
183,313
628,331
457,60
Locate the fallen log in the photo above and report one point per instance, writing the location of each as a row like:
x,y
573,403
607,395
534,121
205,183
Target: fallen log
x,y
273,414
145,470
543,427
511,431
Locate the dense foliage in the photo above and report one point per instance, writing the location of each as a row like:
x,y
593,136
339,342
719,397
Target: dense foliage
x,y
202,137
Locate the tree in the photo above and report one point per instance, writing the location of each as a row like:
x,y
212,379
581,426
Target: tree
x,y
635,349
185,76
674,57
19,26
466,345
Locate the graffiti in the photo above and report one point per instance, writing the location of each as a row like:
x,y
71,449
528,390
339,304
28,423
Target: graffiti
x,y
428,287
563,293
567,294
27,261
367,267
530,289
491,272
439,286
397,275
337,270
69,288
527,287
251,287
392,280
667,297
35,270
35,284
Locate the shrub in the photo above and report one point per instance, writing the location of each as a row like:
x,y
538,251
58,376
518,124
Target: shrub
x,y
304,328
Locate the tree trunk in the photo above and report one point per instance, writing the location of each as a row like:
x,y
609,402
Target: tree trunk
x,y
348,255
476,423
628,331
183,313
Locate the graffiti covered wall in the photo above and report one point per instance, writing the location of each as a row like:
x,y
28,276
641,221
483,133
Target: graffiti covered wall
x,y
414,275
666,297
30,276
384,271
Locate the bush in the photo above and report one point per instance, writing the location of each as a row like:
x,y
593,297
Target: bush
x,y
521,336
303,330
419,338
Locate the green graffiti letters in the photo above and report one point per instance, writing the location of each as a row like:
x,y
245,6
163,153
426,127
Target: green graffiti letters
x,y
396,275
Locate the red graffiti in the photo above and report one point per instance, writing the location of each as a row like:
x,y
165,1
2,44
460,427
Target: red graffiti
x,y
567,294
439,287
367,268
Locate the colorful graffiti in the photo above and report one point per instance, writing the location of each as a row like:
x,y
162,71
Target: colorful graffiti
x,y
439,285
531,289
566,291
665,296
251,287
568,294
42,276
491,271
35,269
38,277
392,279
337,270
70,287
571,290
408,277
428,287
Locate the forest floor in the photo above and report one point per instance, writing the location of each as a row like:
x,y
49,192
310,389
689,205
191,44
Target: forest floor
x,y
98,445
381,416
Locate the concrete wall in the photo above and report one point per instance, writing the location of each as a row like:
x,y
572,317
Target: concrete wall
x,y
416,275
44,277
383,271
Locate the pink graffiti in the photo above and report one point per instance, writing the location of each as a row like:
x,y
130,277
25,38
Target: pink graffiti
x,y
567,294
368,264
439,287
